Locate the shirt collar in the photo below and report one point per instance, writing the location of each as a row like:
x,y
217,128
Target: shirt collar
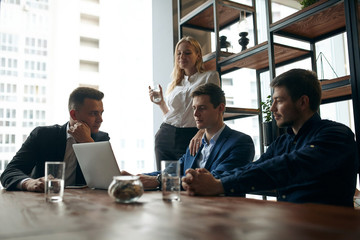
x,y
67,133
315,118
190,78
214,138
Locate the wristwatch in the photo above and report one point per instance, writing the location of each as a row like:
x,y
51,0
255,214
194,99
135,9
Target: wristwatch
x,y
158,179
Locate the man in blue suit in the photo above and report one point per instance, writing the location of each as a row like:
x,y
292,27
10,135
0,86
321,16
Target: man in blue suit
x,y
316,161
54,143
222,148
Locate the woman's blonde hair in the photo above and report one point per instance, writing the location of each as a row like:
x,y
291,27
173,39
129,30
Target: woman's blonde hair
x,y
178,73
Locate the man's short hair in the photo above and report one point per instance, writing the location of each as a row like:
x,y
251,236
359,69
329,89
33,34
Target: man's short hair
x,y
216,94
77,97
299,82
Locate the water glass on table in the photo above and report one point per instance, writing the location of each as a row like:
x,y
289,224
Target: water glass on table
x,y
170,179
54,181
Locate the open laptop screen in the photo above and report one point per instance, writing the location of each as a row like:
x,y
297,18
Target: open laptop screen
x,y
97,162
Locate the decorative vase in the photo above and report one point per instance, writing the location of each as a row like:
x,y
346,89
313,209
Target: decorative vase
x,y
243,41
224,43
267,133
125,189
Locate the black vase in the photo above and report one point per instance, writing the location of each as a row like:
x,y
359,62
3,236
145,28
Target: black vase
x,y
224,43
267,133
243,41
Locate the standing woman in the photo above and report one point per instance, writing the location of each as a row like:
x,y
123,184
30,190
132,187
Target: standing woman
x,y
179,128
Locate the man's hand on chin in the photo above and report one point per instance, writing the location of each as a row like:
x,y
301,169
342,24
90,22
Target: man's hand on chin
x,y
201,182
81,132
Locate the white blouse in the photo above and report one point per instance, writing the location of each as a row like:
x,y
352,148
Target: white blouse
x,y
179,101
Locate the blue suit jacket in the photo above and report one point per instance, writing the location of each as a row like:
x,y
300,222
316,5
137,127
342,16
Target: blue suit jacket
x,y
232,149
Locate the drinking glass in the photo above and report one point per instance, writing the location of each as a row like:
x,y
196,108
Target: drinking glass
x,y
170,179
54,181
156,94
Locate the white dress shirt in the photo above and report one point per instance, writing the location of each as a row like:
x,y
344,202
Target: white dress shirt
x,y
179,100
207,148
70,160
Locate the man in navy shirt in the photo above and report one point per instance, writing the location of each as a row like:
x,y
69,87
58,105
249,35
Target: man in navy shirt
x,y
314,162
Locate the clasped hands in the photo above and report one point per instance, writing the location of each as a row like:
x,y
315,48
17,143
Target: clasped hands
x,y
200,181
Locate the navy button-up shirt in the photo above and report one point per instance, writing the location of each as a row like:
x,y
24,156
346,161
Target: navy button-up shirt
x,y
318,165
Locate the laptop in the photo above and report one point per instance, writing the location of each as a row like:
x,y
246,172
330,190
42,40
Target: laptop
x,y
97,162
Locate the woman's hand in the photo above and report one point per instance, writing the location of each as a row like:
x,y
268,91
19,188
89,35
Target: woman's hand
x,y
152,93
195,142
161,103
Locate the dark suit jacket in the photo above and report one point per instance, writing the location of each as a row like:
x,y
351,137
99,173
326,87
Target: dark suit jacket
x,y
232,149
44,144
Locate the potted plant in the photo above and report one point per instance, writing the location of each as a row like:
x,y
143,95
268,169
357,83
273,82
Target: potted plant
x,y
267,124
306,3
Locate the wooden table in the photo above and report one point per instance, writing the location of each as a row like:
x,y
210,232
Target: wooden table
x,y
92,214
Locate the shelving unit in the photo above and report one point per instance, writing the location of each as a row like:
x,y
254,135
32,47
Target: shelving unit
x,y
257,57
317,22
320,21
336,89
213,16
235,113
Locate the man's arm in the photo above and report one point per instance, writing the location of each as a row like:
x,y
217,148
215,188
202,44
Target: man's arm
x,y
237,151
148,181
331,150
22,163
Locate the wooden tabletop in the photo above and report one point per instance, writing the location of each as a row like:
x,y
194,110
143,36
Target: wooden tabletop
x,y
92,214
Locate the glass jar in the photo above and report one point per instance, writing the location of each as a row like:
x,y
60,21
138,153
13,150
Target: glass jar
x,y
126,189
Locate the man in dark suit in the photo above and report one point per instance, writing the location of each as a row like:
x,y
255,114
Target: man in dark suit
x,y
222,149
54,143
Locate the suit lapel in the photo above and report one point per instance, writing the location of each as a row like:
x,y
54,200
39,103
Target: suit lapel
x,y
218,146
61,142
192,163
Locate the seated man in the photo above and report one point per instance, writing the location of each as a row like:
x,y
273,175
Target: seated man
x,y
54,143
315,162
223,149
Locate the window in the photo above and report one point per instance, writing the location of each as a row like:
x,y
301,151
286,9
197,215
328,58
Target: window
x,y
89,20
25,67
227,82
89,66
140,143
140,164
89,42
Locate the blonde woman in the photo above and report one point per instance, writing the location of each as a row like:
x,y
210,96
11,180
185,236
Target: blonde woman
x,y
179,128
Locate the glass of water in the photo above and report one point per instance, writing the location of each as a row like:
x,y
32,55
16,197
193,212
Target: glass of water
x,y
156,97
170,180
54,181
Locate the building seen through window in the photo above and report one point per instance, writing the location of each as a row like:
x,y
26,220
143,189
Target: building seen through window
x,y
47,49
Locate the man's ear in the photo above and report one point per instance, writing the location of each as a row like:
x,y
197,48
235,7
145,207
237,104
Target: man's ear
x,y
304,102
73,114
221,107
